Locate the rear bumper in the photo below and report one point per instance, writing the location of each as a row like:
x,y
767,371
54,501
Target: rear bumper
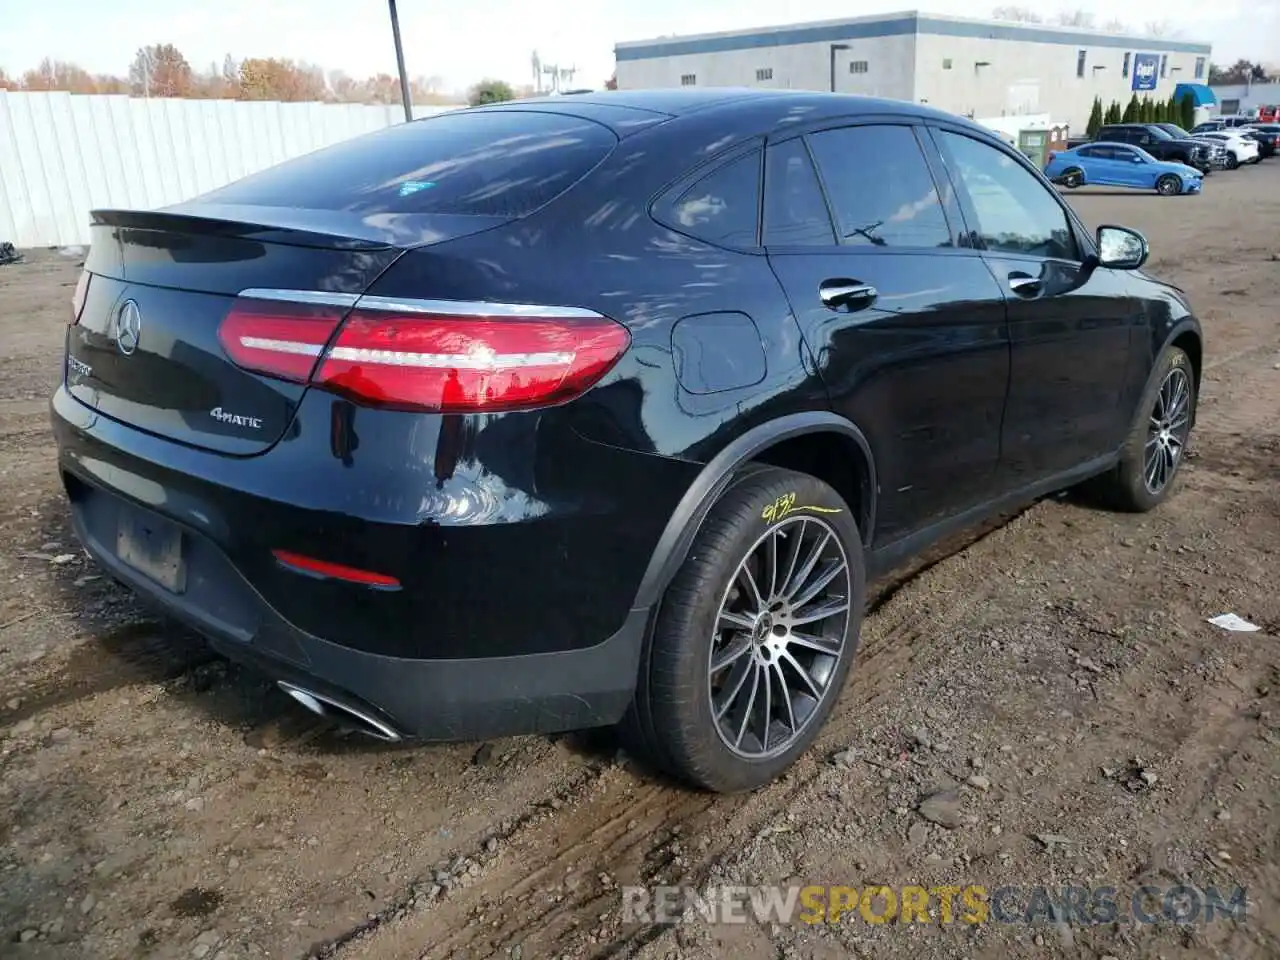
x,y
467,699
514,624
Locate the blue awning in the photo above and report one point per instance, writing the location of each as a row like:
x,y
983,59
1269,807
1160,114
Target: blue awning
x,y
1201,96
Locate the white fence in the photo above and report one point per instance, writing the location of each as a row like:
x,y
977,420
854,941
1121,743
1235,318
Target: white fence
x,y
62,155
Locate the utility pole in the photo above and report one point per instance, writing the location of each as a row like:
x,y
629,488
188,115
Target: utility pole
x,y
404,77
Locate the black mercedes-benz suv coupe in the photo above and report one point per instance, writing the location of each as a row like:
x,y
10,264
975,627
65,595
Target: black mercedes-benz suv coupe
x,y
601,409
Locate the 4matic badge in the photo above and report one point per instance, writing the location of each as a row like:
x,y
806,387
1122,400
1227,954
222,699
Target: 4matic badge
x,y
235,419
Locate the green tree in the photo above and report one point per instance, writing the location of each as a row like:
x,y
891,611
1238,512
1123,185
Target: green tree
x,y
1130,114
490,91
1173,112
1095,118
1115,113
1187,111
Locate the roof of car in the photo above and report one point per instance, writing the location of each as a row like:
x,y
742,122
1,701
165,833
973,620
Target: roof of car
x,y
683,101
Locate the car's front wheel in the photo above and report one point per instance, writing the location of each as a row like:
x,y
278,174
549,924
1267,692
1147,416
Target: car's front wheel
x,y
1169,185
1232,161
1157,441
754,636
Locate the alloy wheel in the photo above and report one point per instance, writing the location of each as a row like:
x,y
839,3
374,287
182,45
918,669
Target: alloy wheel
x,y
779,636
1167,430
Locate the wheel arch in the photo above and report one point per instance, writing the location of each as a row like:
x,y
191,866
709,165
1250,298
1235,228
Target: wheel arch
x,y
788,441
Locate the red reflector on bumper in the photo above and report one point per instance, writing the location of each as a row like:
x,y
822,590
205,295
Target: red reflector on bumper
x,y
323,568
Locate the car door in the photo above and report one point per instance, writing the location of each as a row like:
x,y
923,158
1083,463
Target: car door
x,y
1128,171
906,324
1101,169
1069,322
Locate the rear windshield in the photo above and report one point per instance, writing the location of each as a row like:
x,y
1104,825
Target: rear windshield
x,y
485,163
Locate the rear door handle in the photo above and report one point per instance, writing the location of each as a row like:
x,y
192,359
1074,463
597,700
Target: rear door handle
x,y
1025,286
847,294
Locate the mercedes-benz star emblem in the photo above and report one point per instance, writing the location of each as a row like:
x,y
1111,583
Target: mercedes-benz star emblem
x,y
128,327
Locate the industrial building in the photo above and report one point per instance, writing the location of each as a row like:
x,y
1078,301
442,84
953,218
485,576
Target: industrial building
x,y
977,68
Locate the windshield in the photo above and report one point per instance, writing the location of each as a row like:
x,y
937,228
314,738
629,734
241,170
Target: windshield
x,y
1174,129
1160,134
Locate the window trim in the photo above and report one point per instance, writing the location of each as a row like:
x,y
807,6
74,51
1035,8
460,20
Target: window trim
x,y
1085,245
1082,61
660,207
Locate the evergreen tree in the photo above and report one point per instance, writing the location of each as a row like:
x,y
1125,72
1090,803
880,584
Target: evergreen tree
x,y
1130,114
1095,118
1172,112
1188,112
1114,112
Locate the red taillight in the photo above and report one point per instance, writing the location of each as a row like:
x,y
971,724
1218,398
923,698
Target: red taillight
x,y
81,294
440,356
454,363
276,338
323,568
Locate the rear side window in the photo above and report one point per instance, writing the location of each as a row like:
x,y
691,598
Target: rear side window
x,y
880,187
724,206
502,163
795,214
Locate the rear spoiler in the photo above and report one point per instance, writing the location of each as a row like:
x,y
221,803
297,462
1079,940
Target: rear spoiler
x,y
292,226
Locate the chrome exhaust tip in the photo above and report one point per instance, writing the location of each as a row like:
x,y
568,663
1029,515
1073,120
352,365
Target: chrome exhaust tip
x,y
325,706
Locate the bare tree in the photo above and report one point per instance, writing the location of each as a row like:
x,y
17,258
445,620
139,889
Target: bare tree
x,y
1017,14
1075,18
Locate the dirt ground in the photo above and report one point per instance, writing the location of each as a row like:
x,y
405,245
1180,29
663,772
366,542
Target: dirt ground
x,y
1056,674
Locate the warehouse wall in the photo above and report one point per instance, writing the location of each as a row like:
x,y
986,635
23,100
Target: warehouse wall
x,y
62,155
804,66
1043,73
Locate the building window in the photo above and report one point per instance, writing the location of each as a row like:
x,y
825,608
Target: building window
x,y
1229,108
1080,59
1199,67
764,73
858,66
688,79
1164,65
1124,71
946,64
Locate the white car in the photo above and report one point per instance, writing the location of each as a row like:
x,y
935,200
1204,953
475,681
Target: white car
x,y
1239,149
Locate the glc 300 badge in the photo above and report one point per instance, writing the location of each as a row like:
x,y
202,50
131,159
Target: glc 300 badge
x,y
235,419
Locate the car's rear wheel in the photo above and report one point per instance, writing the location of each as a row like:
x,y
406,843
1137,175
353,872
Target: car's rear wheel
x,y
1073,178
1157,440
755,635
1169,185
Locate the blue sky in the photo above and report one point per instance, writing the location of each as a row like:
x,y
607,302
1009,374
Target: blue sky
x,y
462,42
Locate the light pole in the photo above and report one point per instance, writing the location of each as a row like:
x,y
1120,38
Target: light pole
x,y
404,77
834,48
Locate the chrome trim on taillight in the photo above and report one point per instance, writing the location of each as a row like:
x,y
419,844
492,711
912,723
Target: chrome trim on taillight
x,y
474,308
320,297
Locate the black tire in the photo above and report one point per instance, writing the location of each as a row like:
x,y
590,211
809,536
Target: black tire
x,y
1126,486
672,721
1073,178
1169,185
1232,161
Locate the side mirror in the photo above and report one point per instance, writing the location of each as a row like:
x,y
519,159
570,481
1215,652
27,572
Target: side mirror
x,y
1120,248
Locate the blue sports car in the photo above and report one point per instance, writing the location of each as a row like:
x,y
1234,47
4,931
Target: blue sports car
x,y
1121,165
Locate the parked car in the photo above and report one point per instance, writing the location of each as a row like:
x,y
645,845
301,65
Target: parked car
x,y
1120,165
1265,135
1218,156
1239,149
1158,142
602,409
